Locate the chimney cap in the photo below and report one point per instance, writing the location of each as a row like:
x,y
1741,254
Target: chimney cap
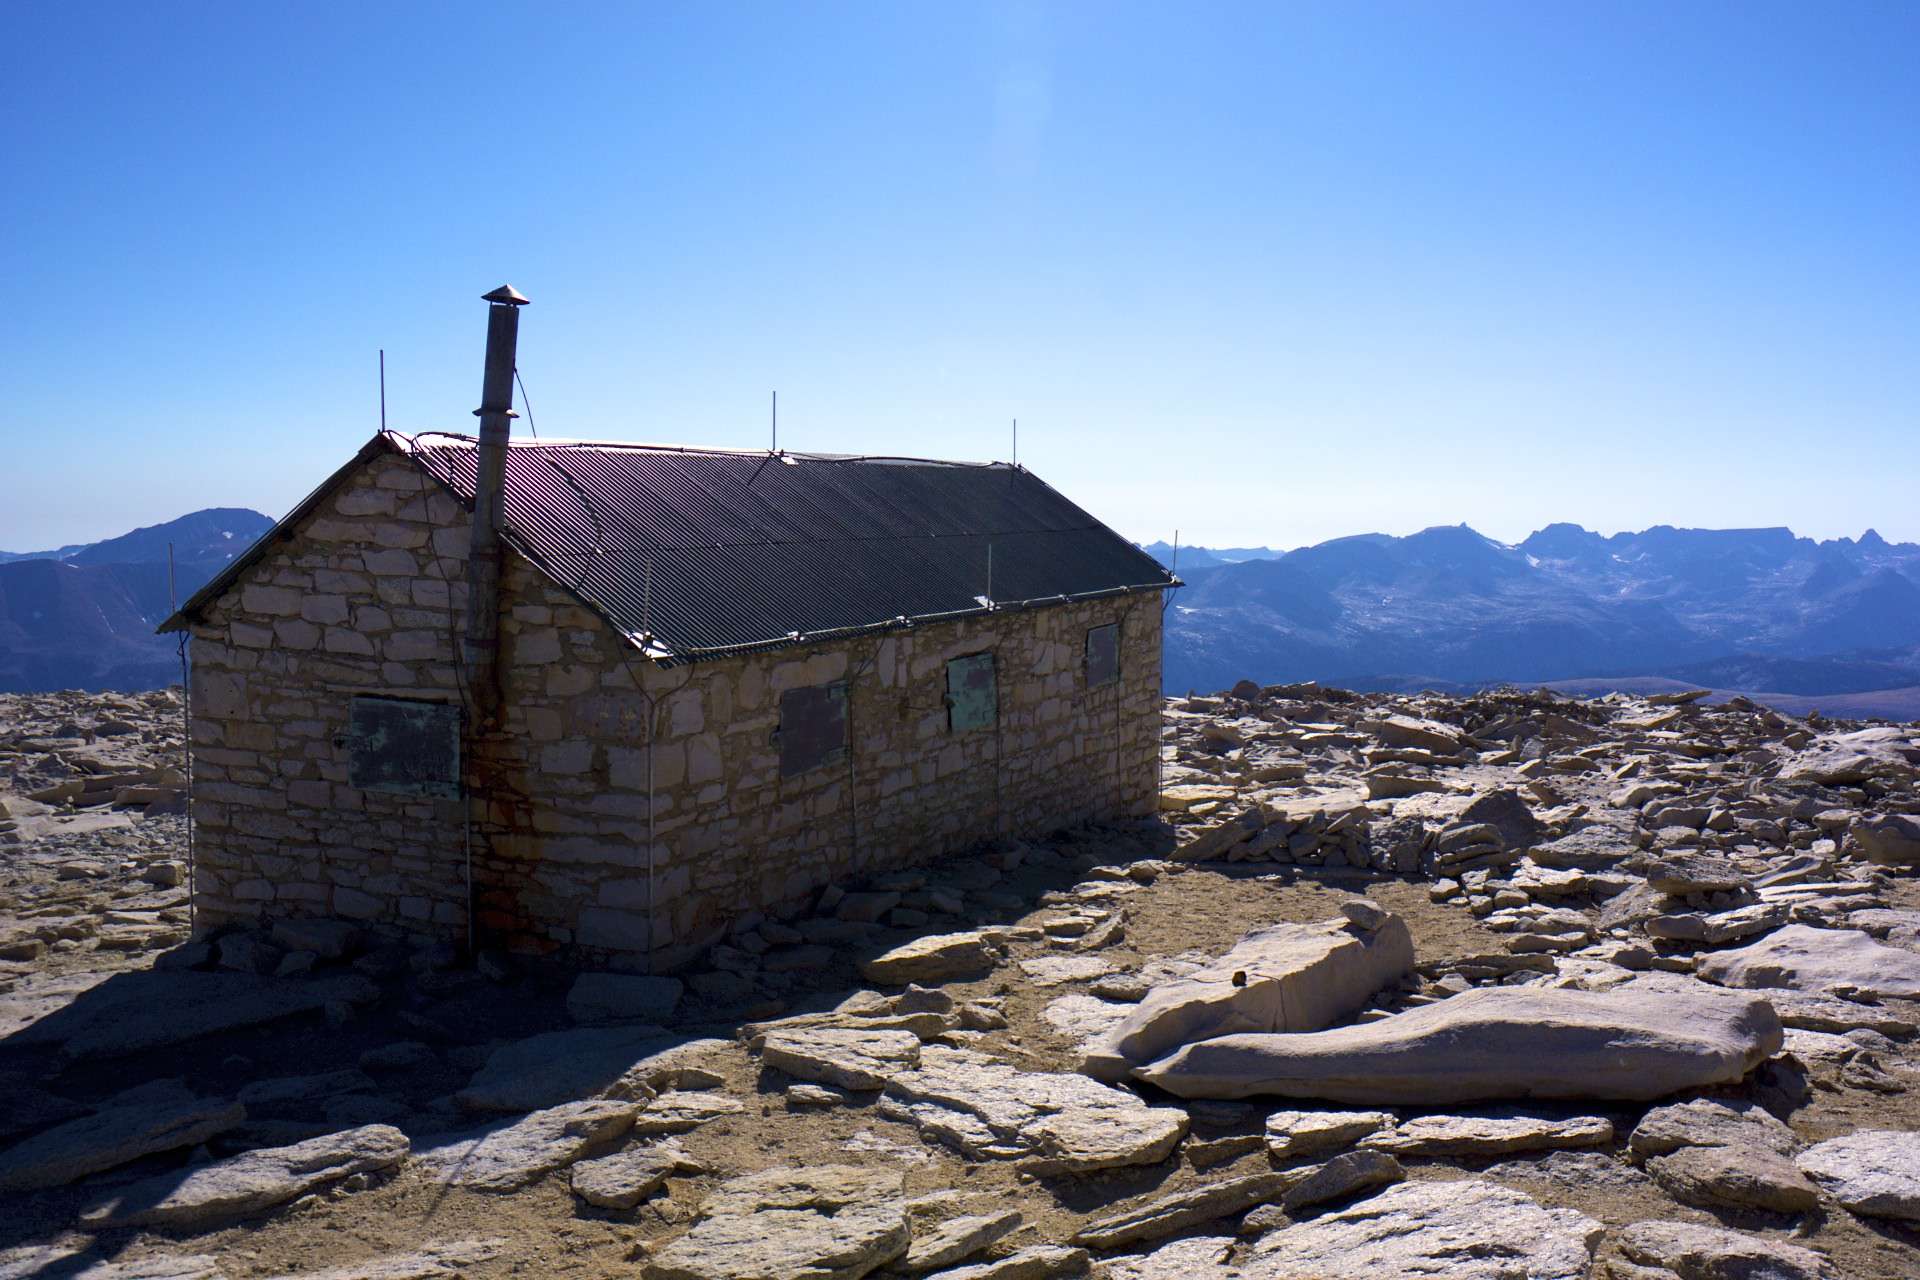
x,y
505,295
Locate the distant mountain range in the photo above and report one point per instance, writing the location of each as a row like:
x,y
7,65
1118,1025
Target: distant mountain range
x,y
1830,624
1746,609
83,617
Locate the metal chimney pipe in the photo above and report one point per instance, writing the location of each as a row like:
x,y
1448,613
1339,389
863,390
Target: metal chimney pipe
x,y
482,640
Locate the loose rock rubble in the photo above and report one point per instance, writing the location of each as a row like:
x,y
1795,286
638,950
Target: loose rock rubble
x,y
1507,985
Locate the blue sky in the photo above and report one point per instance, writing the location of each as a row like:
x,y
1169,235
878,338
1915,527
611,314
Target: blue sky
x,y
1262,273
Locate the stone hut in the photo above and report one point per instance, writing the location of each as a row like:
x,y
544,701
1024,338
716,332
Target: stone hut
x,y
721,680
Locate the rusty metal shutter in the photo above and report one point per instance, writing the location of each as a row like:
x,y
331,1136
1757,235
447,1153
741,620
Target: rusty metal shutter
x,y
1103,655
813,727
403,746
971,701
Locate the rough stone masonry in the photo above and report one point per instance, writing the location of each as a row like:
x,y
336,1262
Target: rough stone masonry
x,y
605,755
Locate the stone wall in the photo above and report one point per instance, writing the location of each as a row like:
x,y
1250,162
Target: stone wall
x,y
604,755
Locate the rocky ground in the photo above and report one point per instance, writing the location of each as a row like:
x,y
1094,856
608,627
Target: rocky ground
x,y
1401,986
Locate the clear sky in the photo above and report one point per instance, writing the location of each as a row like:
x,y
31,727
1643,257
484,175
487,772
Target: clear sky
x,y
1262,273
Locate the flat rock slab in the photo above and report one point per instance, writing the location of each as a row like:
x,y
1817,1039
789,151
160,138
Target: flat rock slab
x,y
1055,1123
1051,971
1164,1215
444,1260
1080,1018
1734,1178
113,1137
937,958
511,1156
1711,1122
1572,1169
848,1057
62,1262
1346,1173
683,1112
1040,1262
625,1178
1809,959
1285,978
958,1239
561,1066
249,1182
1694,1252
150,1009
833,1222
1874,1172
1467,1229
1493,1135
1629,1043
1298,1135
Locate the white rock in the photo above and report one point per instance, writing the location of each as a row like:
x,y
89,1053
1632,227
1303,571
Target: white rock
x,y
1079,1018
848,1057
1164,1215
1051,971
832,1222
1286,978
1875,1172
1503,1042
936,958
1041,1262
1694,1252
510,1157
1463,1230
249,1182
1053,1123
1810,959
1493,1135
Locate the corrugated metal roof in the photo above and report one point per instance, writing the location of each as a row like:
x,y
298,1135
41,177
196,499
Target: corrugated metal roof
x,y
696,552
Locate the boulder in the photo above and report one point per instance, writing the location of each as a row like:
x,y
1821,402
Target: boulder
x,y
1298,1135
844,1056
1694,1252
507,1158
936,958
1710,1122
114,1136
831,1222
249,1182
1489,1135
1284,978
623,997
1820,960
1734,1178
1873,1172
1409,733
1680,874
1507,814
1890,839
1052,1123
327,939
1628,1043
